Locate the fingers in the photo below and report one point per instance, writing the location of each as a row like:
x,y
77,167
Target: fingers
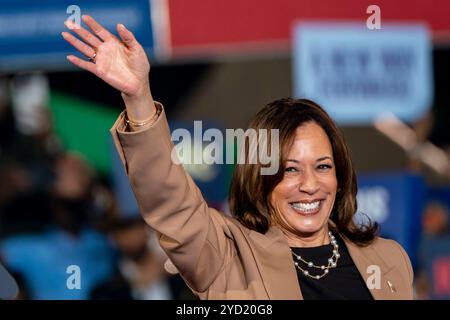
x,y
88,37
126,36
83,64
101,32
79,45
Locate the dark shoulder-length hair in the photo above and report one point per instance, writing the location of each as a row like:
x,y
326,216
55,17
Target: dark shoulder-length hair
x,y
250,190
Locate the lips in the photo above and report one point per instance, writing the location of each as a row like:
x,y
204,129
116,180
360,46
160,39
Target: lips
x,y
307,208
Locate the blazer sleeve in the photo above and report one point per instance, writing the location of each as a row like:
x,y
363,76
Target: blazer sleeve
x,y
193,235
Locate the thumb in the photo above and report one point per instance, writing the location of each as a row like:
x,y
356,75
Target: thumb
x,y
126,36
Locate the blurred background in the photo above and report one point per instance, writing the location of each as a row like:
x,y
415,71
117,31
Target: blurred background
x,y
69,224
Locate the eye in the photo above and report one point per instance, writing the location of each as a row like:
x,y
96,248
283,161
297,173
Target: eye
x,y
290,169
324,167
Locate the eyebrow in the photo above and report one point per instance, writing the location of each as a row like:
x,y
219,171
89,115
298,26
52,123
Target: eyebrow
x,y
318,160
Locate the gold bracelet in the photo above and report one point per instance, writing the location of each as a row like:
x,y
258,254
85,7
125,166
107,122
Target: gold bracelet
x,y
145,122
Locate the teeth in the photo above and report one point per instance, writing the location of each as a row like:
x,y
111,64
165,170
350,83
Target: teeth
x,y
306,207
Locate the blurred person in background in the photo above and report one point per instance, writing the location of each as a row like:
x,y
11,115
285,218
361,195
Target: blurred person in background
x,y
7,123
433,277
280,221
35,144
15,177
72,193
435,220
25,213
140,274
43,258
28,145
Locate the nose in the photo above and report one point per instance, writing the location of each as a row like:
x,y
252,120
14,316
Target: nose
x,y
308,183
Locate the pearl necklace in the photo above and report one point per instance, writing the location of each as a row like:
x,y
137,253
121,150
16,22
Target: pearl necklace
x,y
332,262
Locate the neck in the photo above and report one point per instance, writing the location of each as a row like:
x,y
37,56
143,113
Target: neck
x,y
316,239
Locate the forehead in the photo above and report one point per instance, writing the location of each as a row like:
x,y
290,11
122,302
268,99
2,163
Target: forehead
x,y
310,140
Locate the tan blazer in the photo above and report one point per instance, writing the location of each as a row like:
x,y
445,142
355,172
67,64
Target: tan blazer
x,y
217,256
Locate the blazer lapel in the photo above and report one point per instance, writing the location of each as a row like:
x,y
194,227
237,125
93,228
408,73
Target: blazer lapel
x,y
275,264
367,262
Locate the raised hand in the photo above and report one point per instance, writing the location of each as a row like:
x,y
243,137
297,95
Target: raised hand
x,y
122,64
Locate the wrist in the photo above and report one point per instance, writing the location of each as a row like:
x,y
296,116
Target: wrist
x,y
142,94
141,124
140,107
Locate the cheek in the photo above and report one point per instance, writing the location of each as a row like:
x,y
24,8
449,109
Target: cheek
x,y
329,184
329,187
282,192
276,200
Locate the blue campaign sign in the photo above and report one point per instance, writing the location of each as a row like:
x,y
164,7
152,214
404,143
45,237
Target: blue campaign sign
x,y
30,30
359,74
395,200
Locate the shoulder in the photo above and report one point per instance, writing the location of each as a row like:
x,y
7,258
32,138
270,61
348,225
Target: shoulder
x,y
229,224
394,255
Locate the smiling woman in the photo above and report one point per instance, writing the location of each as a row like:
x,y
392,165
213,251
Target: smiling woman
x,y
292,234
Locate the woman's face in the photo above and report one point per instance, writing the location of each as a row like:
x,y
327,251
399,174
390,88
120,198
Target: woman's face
x,y
303,200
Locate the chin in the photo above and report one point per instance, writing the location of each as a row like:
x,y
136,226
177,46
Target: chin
x,y
308,229
308,222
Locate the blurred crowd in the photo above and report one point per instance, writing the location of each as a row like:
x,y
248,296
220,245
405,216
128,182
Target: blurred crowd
x,y
57,212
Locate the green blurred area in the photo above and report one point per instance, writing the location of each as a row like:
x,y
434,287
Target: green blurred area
x,y
83,126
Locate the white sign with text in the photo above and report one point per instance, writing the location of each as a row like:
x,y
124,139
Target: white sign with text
x,y
358,74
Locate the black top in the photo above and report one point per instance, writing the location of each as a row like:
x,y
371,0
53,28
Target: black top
x,y
342,282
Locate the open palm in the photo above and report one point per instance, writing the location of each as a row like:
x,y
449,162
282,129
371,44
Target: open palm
x,y
122,64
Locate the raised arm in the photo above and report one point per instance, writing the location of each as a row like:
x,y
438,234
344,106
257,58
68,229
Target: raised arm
x,y
194,236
